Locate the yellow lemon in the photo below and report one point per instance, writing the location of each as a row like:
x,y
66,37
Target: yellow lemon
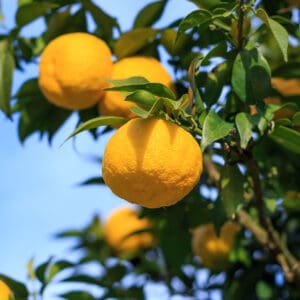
x,y
5,292
73,70
120,227
152,162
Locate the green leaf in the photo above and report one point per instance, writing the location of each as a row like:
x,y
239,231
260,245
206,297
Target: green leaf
x,y
194,19
7,66
264,291
30,269
291,201
287,138
251,76
133,41
296,119
96,122
231,188
37,114
278,31
19,289
105,23
93,180
82,279
128,81
214,128
156,89
57,267
31,11
244,126
149,14
144,99
75,295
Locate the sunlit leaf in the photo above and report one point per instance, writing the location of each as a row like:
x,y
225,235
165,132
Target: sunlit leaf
x,y
7,66
244,126
133,41
149,14
278,31
214,128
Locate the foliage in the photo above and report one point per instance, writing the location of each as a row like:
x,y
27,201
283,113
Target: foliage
x,y
251,158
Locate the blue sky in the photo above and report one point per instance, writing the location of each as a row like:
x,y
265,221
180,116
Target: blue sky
x,y
38,192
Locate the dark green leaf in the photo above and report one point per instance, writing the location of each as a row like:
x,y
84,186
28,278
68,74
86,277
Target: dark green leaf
x,y
7,66
76,295
105,22
278,31
19,289
82,279
31,11
231,188
214,128
194,19
149,14
133,41
42,269
96,122
296,119
128,81
287,138
244,126
251,76
156,89
37,114
94,180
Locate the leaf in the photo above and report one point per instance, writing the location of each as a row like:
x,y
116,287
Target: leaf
x,y
142,98
244,126
30,269
128,81
37,114
278,31
19,289
251,76
75,295
149,14
194,19
133,41
231,188
287,138
264,291
291,201
82,279
31,11
93,180
7,66
214,128
156,89
57,267
105,22
296,119
96,122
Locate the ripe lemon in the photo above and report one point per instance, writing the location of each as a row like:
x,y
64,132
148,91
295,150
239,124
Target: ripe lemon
x,y
151,162
73,69
5,292
212,249
113,104
121,224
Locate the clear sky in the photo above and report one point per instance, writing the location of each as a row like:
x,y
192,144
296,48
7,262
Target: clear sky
x,y
38,192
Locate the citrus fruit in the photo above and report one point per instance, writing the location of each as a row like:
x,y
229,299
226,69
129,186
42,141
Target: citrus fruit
x,y
113,104
73,70
151,162
212,249
286,87
5,292
119,231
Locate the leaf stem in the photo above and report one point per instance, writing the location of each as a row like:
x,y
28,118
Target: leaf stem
x,y
241,25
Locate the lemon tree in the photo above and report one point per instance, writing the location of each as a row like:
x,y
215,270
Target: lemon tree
x,y
204,118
